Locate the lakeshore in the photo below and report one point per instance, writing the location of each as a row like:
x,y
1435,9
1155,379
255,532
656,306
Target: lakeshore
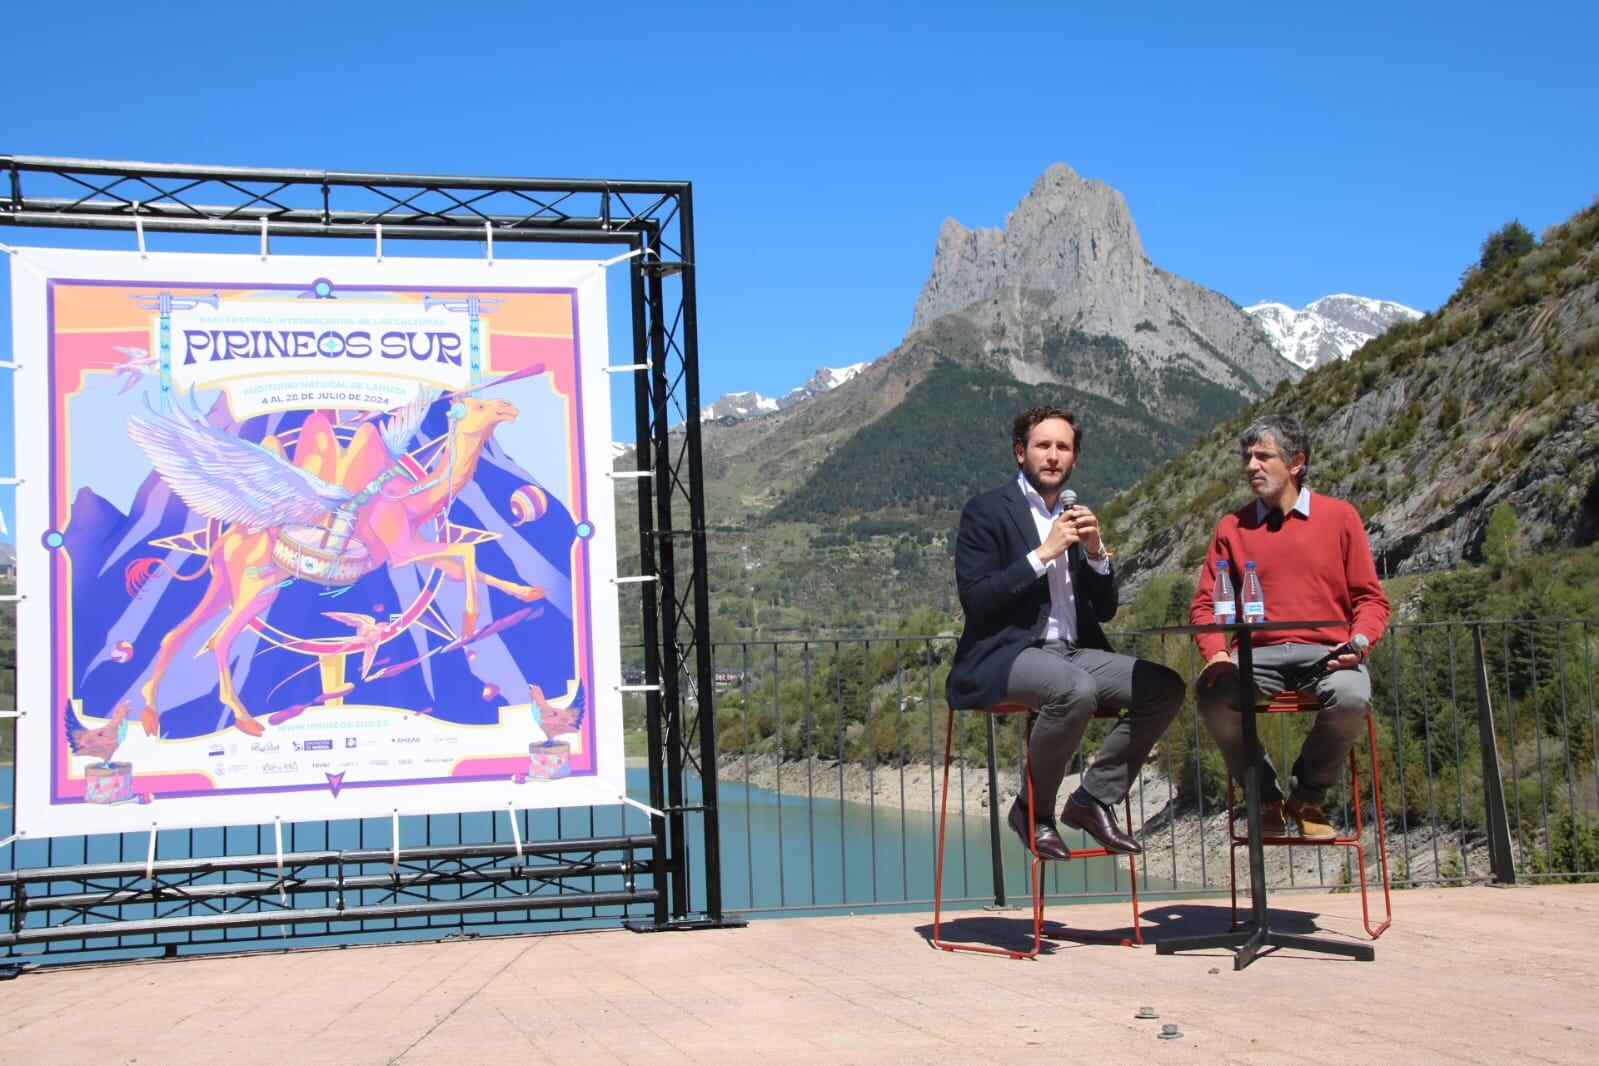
x,y
1178,846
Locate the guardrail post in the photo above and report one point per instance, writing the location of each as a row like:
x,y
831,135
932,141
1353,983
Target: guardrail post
x,y
993,814
1500,857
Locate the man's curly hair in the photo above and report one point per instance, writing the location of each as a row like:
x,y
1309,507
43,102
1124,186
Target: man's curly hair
x,y
1033,415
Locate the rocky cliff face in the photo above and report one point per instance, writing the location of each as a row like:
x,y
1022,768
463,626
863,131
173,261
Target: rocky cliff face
x,y
1069,258
1493,399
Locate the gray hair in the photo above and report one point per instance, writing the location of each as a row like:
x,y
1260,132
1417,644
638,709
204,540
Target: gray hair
x,y
1286,433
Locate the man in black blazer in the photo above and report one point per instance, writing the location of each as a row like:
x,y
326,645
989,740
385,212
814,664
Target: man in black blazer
x,y
1035,583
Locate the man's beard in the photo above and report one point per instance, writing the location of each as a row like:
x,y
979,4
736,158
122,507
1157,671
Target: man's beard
x,y
1034,479
1266,486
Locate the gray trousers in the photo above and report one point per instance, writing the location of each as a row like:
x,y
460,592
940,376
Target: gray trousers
x,y
1344,695
1067,684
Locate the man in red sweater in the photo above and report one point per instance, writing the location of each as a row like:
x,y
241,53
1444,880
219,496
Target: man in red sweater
x,y
1314,563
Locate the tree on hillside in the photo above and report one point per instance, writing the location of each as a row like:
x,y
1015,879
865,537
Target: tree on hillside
x,y
1510,241
1498,537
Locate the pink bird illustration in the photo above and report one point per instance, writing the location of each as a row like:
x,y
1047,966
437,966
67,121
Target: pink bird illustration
x,y
557,720
369,631
101,743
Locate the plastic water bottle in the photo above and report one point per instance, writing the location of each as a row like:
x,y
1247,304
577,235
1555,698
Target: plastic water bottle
x,y
1254,599
1221,595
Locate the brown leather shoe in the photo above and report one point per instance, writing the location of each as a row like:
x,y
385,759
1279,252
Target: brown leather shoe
x,y
1045,841
1313,822
1099,822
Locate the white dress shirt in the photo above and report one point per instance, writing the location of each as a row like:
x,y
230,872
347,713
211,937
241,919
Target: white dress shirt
x,y
1062,624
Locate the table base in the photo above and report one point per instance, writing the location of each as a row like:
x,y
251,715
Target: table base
x,y
1248,943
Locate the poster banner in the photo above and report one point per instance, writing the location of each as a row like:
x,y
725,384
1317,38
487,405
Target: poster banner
x,y
308,537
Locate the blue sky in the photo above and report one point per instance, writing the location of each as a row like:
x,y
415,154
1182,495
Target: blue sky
x,y
1277,151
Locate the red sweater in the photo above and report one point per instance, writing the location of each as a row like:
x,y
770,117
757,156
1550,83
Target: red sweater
x,y
1312,568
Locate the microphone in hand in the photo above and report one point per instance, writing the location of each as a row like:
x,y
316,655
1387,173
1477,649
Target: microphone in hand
x,y
1357,643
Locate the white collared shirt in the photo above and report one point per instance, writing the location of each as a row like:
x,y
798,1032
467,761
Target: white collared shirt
x,y
1062,624
1302,505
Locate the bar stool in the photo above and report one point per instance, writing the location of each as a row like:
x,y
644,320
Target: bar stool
x,y
1293,702
1035,867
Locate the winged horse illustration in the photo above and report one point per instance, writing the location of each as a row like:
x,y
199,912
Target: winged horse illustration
x,y
329,514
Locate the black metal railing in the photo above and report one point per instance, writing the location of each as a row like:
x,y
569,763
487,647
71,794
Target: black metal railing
x,y
831,757
831,760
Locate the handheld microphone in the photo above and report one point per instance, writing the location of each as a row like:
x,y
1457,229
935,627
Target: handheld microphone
x,y
1357,643
1068,499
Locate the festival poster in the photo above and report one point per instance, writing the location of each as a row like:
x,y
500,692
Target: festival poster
x,y
310,537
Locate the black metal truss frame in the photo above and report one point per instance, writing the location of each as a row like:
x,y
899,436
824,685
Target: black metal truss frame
x,y
86,904
655,220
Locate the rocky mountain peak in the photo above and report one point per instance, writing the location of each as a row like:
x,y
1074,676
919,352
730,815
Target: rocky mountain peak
x,y
1068,234
741,405
1069,261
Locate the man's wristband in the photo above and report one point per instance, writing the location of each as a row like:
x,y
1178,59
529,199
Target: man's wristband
x,y
1104,553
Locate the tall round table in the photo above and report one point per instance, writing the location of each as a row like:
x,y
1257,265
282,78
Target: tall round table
x,y
1247,943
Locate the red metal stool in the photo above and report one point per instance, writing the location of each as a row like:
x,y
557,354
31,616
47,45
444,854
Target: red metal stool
x,y
1035,868
1293,702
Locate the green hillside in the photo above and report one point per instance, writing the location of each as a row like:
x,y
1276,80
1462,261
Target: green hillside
x,y
950,436
1491,400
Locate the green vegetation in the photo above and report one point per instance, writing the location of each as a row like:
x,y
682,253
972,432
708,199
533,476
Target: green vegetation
x,y
1460,411
1498,536
1511,241
865,537
950,439
881,702
841,699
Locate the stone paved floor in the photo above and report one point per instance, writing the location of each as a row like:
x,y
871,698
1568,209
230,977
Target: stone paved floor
x,y
1465,975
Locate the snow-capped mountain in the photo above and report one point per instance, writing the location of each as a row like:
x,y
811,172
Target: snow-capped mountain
x,y
829,378
739,405
1330,328
752,404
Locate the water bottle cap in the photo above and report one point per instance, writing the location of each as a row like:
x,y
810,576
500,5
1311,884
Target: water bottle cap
x,y
1249,565
1221,564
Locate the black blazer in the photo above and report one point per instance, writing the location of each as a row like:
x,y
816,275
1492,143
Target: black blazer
x,y
1006,606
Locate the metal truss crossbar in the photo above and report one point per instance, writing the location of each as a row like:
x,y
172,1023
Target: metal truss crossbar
x,y
89,901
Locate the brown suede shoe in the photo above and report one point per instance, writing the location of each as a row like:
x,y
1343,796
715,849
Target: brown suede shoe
x,y
1313,823
1273,820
